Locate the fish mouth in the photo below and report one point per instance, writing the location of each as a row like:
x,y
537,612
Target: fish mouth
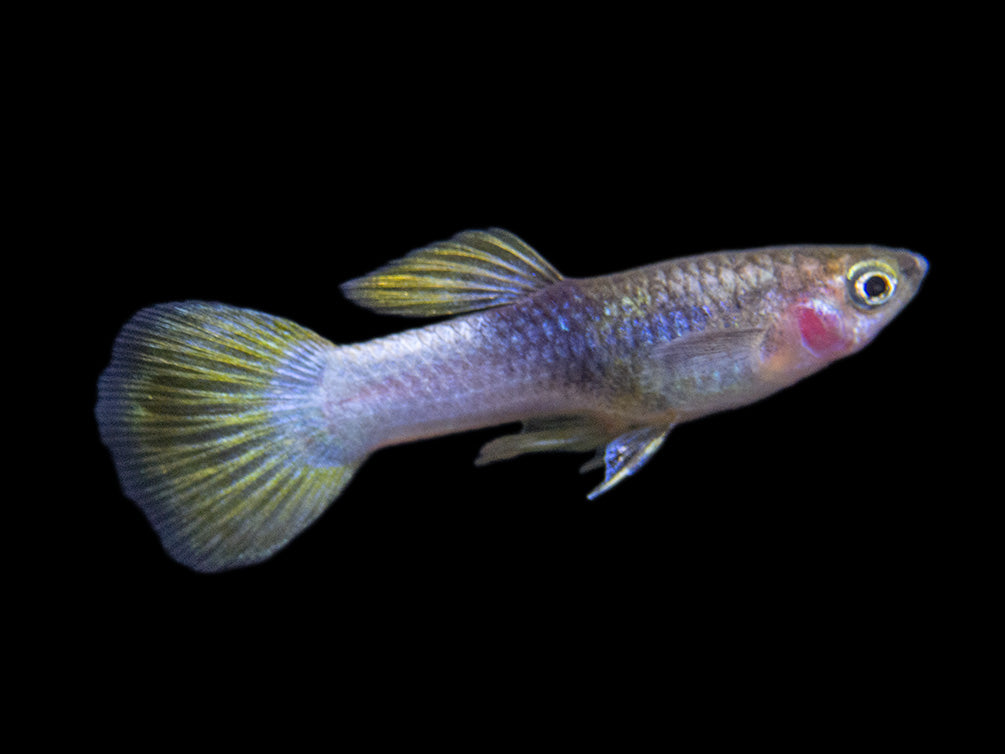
x,y
913,267
916,268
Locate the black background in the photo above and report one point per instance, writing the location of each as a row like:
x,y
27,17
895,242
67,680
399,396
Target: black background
x,y
803,525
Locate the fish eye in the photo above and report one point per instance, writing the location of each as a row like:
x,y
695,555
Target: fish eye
x,y
871,283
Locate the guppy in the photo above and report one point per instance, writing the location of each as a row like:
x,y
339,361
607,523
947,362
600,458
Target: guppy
x,y
233,430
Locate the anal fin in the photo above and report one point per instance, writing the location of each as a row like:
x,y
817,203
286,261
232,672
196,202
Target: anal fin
x,y
564,433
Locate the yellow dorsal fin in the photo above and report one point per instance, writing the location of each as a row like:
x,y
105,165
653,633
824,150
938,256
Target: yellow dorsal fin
x,y
476,269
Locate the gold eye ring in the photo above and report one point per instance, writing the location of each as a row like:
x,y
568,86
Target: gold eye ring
x,y
871,283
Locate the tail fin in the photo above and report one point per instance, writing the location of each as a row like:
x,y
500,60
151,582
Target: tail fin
x,y
213,415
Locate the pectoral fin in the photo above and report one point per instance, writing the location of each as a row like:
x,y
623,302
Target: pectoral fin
x,y
566,433
714,347
700,369
476,269
626,454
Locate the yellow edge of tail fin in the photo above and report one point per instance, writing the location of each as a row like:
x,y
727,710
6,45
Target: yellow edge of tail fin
x,y
213,416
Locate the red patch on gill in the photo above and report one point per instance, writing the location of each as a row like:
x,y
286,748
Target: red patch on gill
x,y
822,333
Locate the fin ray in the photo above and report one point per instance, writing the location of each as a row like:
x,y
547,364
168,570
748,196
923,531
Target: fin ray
x,y
626,454
474,270
212,415
564,433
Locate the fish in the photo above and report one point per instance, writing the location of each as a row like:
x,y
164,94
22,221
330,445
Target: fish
x,y
233,430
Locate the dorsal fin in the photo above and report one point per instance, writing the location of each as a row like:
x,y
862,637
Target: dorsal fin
x,y
476,269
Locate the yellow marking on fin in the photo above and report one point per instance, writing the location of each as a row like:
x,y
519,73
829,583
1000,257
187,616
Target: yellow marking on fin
x,y
212,417
564,433
476,269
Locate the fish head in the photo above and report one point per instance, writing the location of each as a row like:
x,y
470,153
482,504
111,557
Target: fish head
x,y
878,284
840,298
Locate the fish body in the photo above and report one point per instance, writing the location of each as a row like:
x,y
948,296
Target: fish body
x,y
234,429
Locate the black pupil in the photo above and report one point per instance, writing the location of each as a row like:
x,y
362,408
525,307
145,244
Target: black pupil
x,y
876,286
